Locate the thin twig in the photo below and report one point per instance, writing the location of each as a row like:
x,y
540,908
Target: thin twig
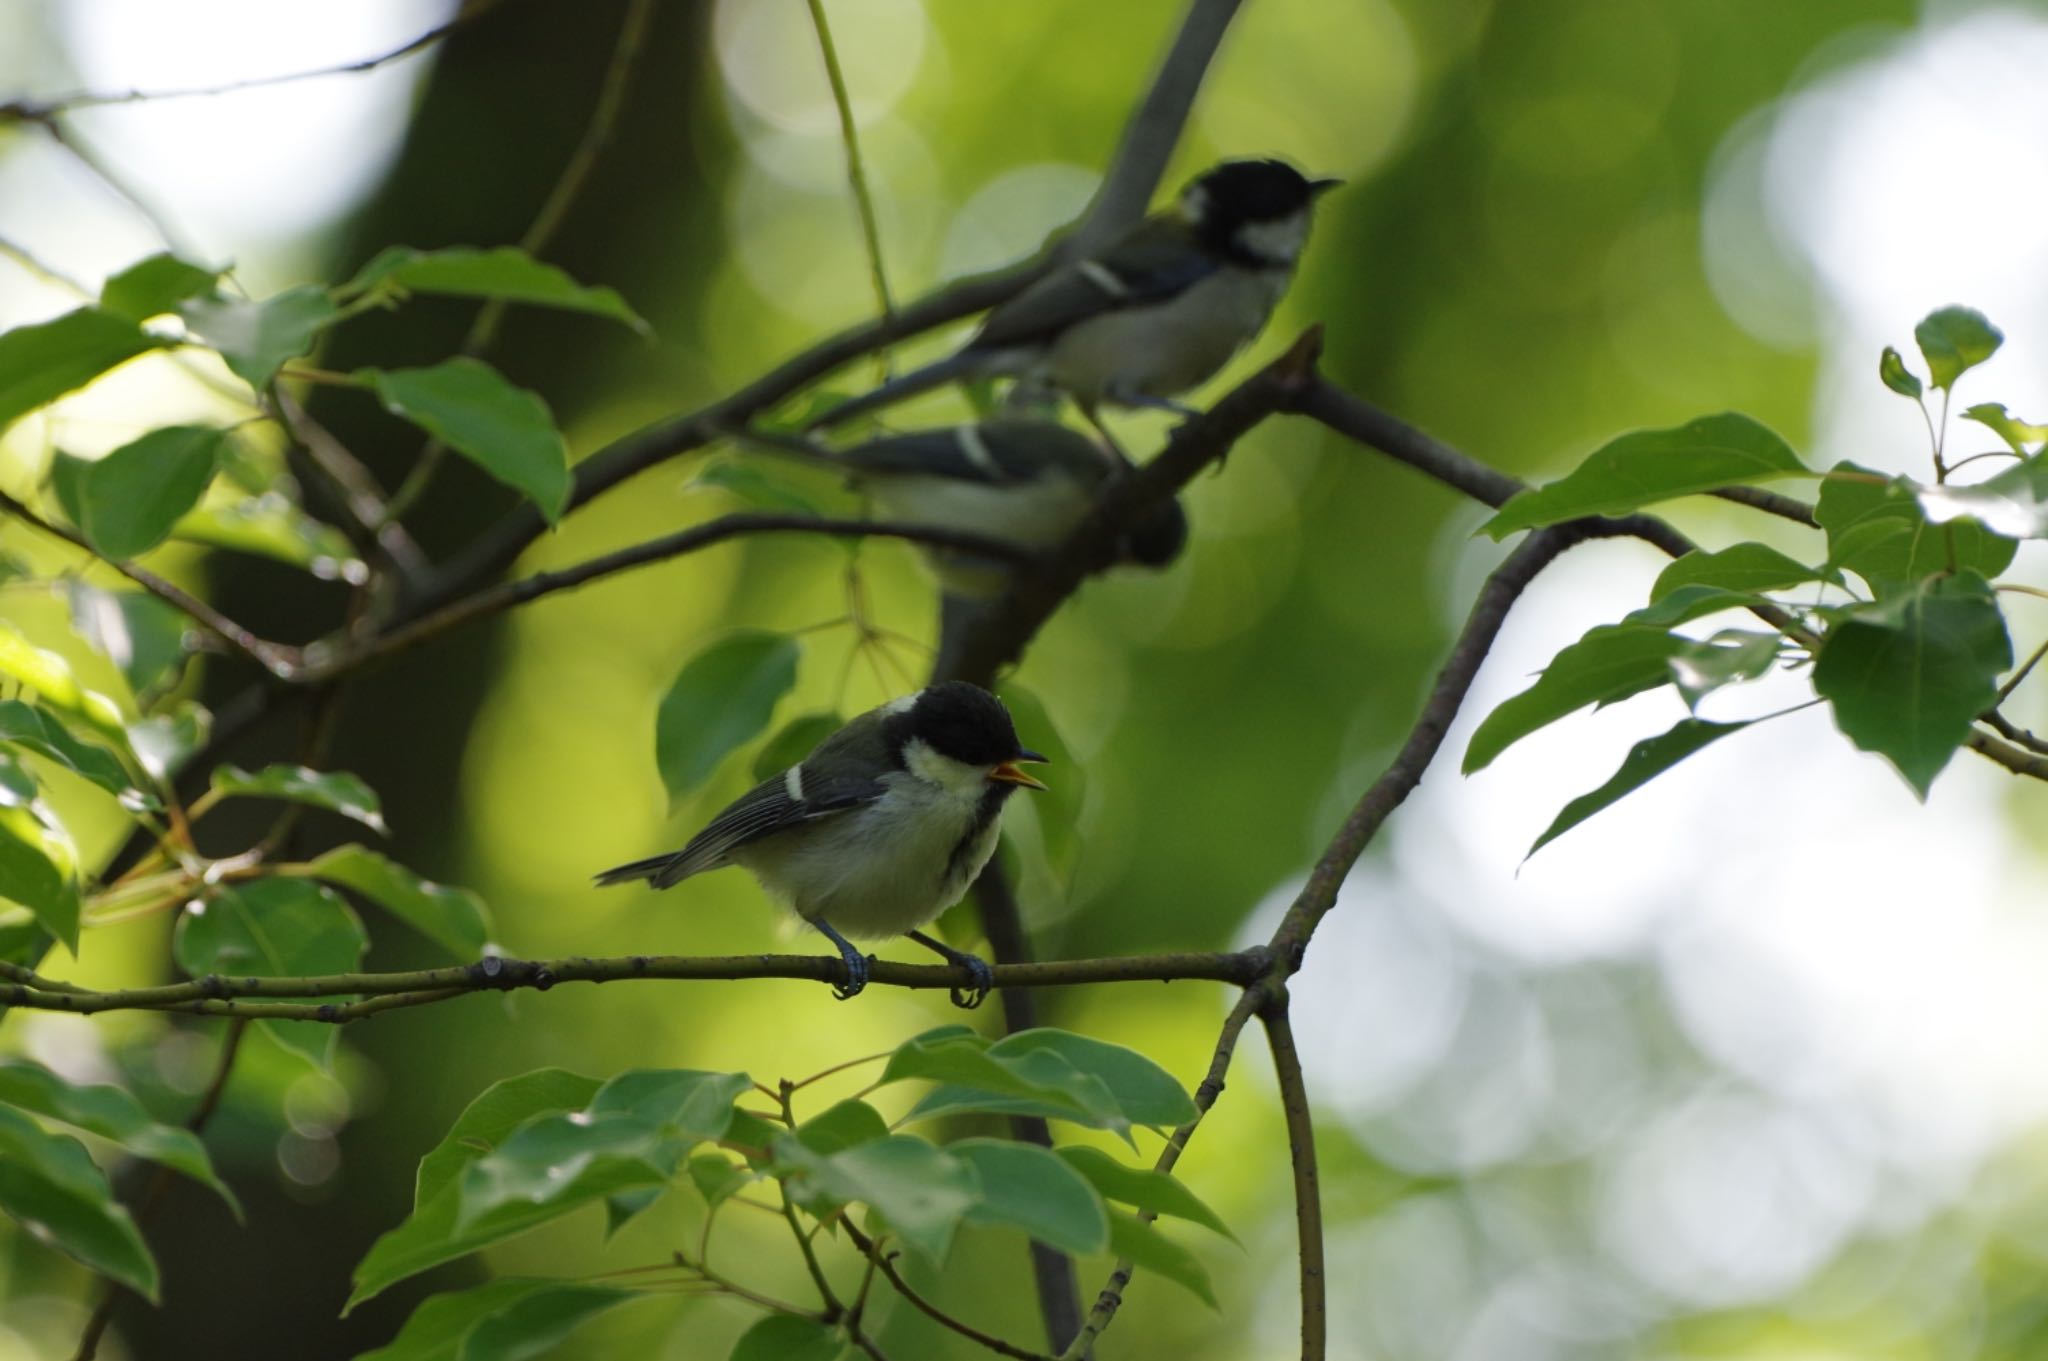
x,y
1308,1195
274,658
1111,1297
886,1263
42,110
160,1183
597,134
856,172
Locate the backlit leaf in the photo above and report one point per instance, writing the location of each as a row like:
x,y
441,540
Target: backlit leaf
x,y
503,1320
335,790
1908,675
273,928
787,1337
472,408
42,362
1131,1237
1892,370
112,1114
50,1186
129,500
1147,1189
1877,529
1955,340
1648,466
504,272
1030,1188
39,870
153,286
718,702
256,338
1645,761
1747,567
1611,663
453,918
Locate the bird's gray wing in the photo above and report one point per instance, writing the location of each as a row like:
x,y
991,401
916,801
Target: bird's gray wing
x,y
1157,260
842,773
997,453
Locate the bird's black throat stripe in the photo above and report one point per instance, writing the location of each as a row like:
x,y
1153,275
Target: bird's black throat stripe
x,y
985,812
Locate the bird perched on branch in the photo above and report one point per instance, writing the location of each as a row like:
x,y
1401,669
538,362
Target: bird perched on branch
x,y
1156,313
876,832
1026,480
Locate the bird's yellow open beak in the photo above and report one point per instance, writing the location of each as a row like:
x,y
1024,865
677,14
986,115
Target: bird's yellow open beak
x,y
1007,772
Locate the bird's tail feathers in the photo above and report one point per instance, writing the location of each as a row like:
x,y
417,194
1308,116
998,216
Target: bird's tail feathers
x,y
901,388
654,869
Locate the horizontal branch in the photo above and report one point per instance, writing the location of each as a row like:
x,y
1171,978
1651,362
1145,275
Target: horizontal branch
x,y
742,524
43,110
247,995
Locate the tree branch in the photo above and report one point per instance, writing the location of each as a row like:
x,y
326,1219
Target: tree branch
x,y
1308,1195
885,1262
506,595
1154,130
44,110
218,995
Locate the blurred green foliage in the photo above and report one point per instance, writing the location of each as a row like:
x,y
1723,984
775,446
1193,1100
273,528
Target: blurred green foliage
x,y
1516,266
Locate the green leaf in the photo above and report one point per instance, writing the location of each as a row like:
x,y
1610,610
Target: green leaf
x,y
257,338
1144,1187
842,1126
129,500
273,928
969,1074
38,870
1907,676
498,1110
1745,567
717,1177
504,430
114,1115
1877,530
163,742
1732,655
1955,340
788,1337
1892,371
153,286
2016,433
335,790
1027,1187
502,1320
17,782
1688,603
1131,1237
132,629
270,526
922,1191
430,1236
537,1147
720,699
50,677
686,1103
504,272
2014,503
1645,761
34,729
557,1163
748,483
622,1206
49,1184
793,741
40,363
453,918
1609,664
1648,466
1141,1092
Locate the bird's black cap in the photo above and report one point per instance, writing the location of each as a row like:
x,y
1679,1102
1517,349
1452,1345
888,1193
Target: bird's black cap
x,y
1257,191
964,722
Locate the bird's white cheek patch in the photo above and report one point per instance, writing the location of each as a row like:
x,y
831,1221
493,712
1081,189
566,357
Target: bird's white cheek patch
x,y
956,778
1278,242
